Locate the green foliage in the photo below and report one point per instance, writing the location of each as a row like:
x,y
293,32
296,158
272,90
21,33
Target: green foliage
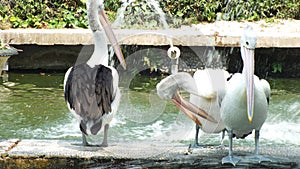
x,y
253,10
43,13
140,14
192,11
112,5
72,13
277,67
208,10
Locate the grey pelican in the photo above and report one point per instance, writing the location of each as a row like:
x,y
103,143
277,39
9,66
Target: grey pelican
x,y
91,89
244,104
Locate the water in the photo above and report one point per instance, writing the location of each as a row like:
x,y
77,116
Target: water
x,y
32,106
141,15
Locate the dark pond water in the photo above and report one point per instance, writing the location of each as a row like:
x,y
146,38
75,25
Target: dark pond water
x,y
32,106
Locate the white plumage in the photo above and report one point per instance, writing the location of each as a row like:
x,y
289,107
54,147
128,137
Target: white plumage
x,y
237,103
209,83
244,105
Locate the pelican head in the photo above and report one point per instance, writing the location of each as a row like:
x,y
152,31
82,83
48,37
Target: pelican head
x,y
168,89
106,26
248,43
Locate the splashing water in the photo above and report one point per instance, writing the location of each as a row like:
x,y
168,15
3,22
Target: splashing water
x,y
163,20
33,107
153,5
120,18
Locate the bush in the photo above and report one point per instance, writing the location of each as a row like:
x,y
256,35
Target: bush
x,y
43,13
209,10
72,13
193,11
253,10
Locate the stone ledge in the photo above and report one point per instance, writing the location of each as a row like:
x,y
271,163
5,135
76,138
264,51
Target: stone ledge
x,y
141,154
284,34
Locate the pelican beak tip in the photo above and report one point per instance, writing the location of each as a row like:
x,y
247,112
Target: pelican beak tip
x,y
250,119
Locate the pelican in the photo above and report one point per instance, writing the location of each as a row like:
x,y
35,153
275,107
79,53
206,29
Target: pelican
x,y
91,89
203,88
238,104
244,104
209,83
168,88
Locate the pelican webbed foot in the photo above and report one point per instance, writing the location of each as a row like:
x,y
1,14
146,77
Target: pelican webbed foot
x,y
196,143
230,159
91,145
257,159
103,144
85,143
94,145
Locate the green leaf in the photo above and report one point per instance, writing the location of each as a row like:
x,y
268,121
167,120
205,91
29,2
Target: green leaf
x,y
13,19
277,68
179,13
24,24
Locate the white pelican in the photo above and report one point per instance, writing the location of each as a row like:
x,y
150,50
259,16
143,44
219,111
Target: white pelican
x,y
244,104
91,89
203,88
168,89
209,83
239,103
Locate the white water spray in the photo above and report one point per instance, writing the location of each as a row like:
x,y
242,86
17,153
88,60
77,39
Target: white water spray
x,y
173,52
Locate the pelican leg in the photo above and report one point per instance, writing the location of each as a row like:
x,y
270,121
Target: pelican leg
x,y
256,141
223,136
104,143
256,156
196,143
230,158
84,142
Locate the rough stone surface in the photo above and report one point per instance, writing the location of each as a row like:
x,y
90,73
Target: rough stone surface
x,y
137,154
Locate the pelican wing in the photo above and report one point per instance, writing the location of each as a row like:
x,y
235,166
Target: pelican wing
x,y
89,93
210,81
167,87
267,89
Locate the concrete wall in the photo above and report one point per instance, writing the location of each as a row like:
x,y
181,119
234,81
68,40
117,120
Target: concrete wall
x,y
60,57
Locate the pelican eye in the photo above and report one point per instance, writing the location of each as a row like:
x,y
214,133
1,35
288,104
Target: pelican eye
x,y
247,43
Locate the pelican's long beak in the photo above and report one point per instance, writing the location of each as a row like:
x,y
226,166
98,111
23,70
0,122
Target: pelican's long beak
x,y
249,68
190,109
111,36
